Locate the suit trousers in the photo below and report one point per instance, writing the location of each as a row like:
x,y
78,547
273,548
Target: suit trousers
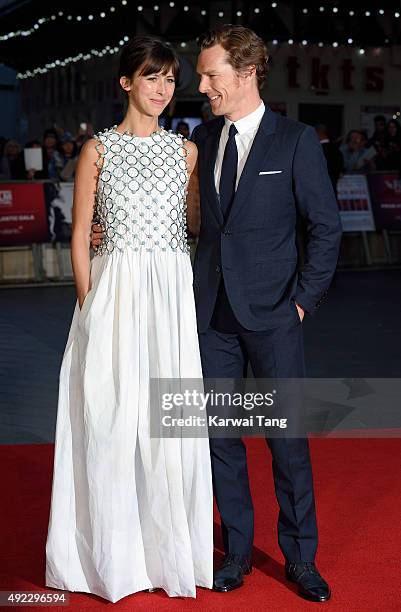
x,y
275,353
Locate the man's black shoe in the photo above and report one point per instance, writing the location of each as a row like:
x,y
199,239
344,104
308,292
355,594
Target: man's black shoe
x,y
310,583
230,575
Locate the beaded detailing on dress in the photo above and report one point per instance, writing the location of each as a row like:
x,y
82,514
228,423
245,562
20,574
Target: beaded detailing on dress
x,y
141,194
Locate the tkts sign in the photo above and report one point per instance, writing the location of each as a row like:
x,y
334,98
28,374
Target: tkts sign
x,y
321,74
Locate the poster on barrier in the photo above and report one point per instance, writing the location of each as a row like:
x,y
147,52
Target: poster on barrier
x,y
60,212
385,189
355,204
23,214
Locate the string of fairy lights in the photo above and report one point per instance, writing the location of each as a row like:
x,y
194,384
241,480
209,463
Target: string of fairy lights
x,y
108,12
111,50
94,53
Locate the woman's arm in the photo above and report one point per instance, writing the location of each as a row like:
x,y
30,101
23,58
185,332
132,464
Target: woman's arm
x,y
82,214
193,200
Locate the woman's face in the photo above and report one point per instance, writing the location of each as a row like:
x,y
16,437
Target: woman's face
x,y
150,94
49,142
68,147
12,150
392,130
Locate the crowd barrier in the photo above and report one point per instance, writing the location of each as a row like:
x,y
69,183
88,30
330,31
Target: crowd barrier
x,y
35,225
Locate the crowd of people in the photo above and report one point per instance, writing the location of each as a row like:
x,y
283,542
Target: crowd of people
x,y
60,150
358,153
382,151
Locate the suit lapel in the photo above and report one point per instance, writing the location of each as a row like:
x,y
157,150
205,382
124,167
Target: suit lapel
x,y
261,146
212,145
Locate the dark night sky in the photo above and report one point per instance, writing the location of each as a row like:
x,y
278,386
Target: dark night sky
x,y
62,38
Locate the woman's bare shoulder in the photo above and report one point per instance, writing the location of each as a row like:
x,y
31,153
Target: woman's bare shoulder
x,y
90,149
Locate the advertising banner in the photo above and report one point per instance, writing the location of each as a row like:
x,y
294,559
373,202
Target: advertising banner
x,y
385,189
23,215
355,204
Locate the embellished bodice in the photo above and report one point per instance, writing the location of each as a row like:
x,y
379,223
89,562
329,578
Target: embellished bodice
x,y
141,193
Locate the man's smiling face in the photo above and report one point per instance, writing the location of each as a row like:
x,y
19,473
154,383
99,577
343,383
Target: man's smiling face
x,y
219,81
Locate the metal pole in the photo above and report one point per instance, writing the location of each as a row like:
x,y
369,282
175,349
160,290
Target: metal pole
x,y
366,248
60,263
387,246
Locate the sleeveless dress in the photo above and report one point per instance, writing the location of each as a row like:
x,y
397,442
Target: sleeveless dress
x,y
130,512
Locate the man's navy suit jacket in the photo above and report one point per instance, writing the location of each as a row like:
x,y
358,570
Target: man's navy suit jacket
x,y
255,248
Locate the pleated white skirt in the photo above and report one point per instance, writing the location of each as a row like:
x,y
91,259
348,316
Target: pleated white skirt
x,y
129,512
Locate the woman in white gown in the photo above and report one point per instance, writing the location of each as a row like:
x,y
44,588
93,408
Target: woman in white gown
x,y
130,512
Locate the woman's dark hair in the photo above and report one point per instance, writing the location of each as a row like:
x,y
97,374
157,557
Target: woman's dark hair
x,y
74,152
152,54
50,132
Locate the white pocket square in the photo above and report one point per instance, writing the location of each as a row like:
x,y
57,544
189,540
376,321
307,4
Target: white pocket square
x,y
271,172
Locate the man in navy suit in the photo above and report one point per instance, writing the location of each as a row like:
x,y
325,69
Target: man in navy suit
x,y
259,174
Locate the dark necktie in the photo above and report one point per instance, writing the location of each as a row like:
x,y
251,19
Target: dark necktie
x,y
228,172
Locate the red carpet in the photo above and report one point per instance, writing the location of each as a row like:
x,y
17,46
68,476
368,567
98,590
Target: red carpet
x,y
358,487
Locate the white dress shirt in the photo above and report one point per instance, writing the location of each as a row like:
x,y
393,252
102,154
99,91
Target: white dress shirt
x,y
246,131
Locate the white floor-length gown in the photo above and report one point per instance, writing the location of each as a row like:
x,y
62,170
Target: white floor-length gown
x,y
130,512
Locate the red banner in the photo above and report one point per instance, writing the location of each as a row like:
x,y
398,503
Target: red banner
x,y
385,192
23,216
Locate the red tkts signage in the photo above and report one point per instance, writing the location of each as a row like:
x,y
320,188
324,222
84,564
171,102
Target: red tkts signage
x,y
23,217
322,78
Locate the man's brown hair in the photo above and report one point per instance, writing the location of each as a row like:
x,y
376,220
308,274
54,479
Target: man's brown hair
x,y
244,48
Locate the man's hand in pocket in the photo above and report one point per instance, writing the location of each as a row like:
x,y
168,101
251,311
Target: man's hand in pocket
x,y
301,311
97,236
